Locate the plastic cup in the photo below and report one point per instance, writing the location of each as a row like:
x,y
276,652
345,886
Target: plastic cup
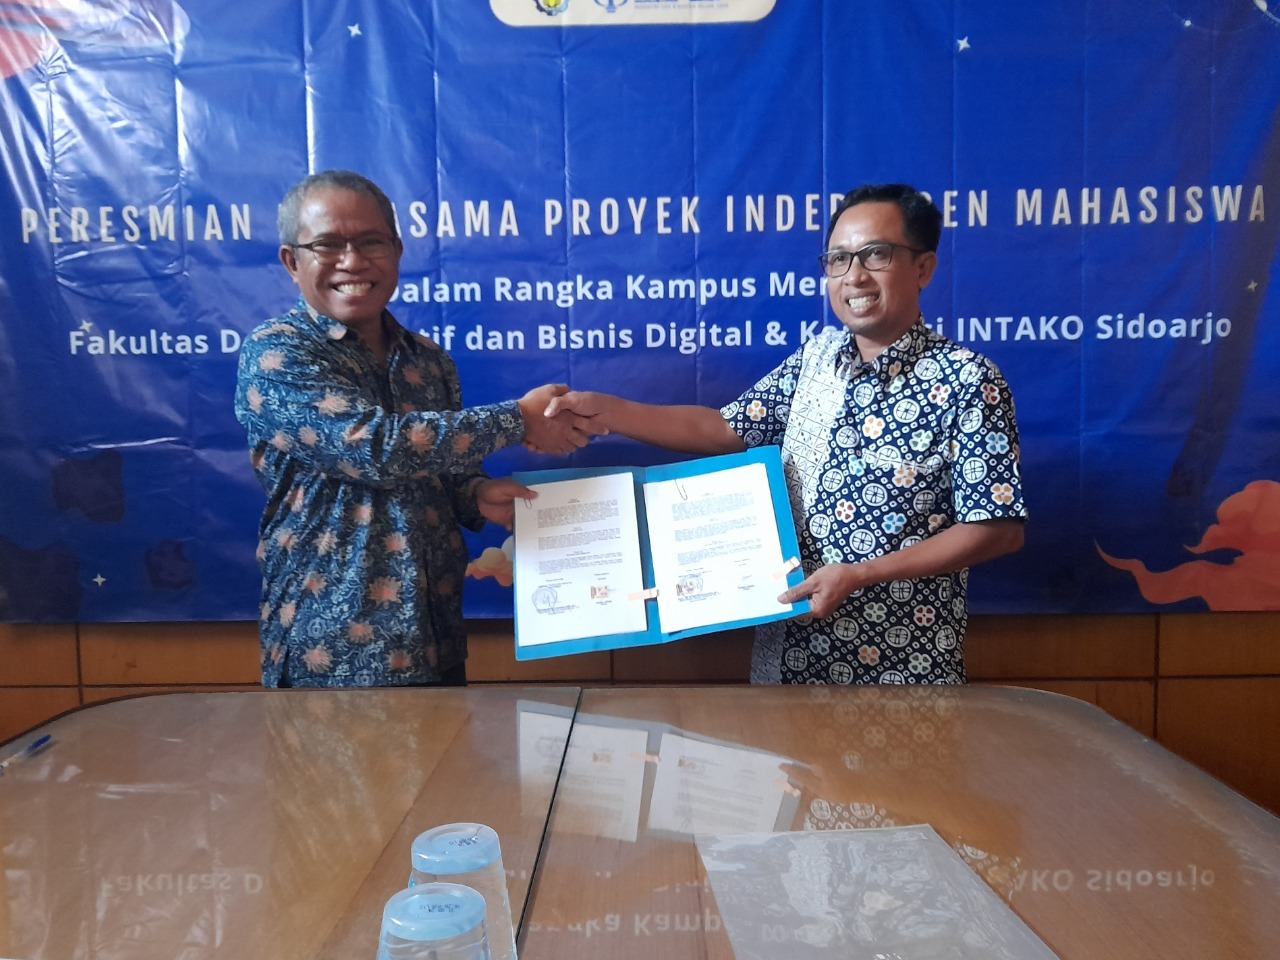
x,y
469,853
434,921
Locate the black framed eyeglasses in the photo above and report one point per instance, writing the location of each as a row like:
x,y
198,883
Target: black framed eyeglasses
x,y
874,256
329,250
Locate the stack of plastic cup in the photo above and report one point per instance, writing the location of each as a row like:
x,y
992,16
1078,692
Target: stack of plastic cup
x,y
434,921
468,853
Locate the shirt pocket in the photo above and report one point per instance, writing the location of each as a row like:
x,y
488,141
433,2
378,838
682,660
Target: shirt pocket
x,y
892,461
905,478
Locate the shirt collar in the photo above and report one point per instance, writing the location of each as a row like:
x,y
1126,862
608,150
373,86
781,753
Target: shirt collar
x,y
899,355
336,330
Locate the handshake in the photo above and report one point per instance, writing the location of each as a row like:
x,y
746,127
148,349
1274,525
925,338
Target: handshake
x,y
559,430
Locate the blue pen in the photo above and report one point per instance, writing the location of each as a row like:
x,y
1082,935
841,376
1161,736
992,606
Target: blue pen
x,y
26,751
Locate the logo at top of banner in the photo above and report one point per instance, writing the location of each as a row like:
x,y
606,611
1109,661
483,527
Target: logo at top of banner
x,y
31,29
595,13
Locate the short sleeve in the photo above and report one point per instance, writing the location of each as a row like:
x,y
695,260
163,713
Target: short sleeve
x,y
760,415
986,473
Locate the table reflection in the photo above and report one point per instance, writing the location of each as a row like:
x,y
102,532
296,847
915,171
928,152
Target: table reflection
x,y
248,825
620,778
276,824
1101,841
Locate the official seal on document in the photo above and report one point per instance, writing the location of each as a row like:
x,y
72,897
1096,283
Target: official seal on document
x,y
544,599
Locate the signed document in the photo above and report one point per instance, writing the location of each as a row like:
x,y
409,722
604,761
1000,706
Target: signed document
x,y
716,551
623,556
577,557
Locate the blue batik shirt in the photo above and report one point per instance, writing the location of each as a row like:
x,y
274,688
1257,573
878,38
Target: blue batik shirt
x,y
369,471
879,456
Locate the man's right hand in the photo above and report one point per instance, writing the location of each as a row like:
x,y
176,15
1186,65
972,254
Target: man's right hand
x,y
586,404
685,428
557,432
825,589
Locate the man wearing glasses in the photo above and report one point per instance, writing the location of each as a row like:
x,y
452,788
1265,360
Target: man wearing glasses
x,y
369,461
901,455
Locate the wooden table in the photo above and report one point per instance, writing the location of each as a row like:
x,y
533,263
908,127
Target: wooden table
x,y
252,825
275,825
1104,843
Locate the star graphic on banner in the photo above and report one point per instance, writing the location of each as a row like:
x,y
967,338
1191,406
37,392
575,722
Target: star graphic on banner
x,y
1253,286
86,325
355,30
99,580
962,44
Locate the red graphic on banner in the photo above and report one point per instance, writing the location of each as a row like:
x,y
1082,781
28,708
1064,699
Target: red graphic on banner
x,y
30,29
1248,522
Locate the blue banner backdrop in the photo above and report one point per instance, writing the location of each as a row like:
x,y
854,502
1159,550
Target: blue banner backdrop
x,y
630,195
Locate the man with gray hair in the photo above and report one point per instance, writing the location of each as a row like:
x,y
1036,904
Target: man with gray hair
x,y
369,460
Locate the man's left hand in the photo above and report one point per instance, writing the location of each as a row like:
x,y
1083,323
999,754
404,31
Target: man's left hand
x,y
495,499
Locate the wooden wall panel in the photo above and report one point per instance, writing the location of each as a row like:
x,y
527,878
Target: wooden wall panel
x,y
38,653
118,654
715,658
491,657
1014,647
1229,727
1218,644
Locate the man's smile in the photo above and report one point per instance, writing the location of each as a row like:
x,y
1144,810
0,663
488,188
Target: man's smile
x,y
354,288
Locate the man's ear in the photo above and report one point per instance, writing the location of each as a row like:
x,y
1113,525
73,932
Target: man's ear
x,y
289,257
926,264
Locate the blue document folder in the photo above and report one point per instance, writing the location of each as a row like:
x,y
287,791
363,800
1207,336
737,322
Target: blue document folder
x,y
785,568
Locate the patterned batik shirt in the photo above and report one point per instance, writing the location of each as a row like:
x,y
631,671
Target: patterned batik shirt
x,y
369,473
879,456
